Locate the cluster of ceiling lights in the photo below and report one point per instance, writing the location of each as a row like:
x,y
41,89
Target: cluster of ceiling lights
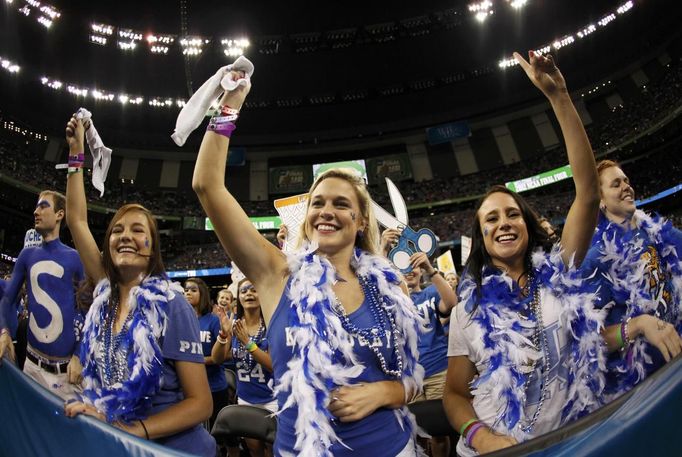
x,y
14,128
9,66
484,8
570,39
43,13
234,47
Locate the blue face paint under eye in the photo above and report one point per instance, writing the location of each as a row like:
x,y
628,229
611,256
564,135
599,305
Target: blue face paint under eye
x,y
146,242
485,231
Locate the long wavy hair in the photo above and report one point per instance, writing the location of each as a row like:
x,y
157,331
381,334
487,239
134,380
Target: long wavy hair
x,y
479,259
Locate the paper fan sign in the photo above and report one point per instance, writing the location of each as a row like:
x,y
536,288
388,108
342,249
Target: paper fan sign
x,y
292,212
445,263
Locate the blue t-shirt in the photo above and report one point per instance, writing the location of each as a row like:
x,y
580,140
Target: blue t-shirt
x,y
181,342
52,272
209,325
255,385
660,288
433,344
380,433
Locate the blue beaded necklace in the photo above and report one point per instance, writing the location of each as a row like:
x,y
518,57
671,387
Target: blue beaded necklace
x,y
115,368
244,358
373,335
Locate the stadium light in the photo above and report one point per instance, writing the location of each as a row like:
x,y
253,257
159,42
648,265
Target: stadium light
x,y
9,66
234,47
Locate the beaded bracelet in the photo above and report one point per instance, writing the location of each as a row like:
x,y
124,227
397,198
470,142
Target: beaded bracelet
x,y
472,431
625,335
251,346
221,340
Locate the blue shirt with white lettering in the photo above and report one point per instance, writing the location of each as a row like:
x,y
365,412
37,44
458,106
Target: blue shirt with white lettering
x,y
254,383
52,272
181,342
433,344
380,433
209,325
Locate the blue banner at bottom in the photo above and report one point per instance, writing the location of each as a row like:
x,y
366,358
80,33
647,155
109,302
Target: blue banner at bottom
x,y
34,424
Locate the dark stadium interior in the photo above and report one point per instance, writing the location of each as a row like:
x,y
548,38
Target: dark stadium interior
x,y
337,81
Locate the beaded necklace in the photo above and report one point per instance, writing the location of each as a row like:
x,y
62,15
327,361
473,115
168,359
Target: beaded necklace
x,y
115,365
373,335
539,340
244,358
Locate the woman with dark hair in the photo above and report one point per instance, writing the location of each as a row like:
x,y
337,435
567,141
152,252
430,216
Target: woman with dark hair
x,y
638,279
142,364
524,350
342,330
250,352
214,331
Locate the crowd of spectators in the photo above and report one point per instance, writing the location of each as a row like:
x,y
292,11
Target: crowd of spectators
x,y
650,160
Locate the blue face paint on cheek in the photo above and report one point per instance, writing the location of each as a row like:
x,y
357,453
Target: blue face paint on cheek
x,y
146,242
485,231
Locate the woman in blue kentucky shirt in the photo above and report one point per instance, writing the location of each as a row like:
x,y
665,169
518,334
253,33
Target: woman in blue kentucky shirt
x,y
341,327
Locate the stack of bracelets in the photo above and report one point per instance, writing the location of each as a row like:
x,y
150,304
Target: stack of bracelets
x,y
223,124
469,429
624,335
251,346
76,163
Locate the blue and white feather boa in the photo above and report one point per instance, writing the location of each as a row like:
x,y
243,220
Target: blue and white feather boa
x,y
148,302
323,354
507,339
622,252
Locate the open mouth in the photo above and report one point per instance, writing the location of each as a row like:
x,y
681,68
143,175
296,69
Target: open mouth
x,y
126,249
326,228
506,238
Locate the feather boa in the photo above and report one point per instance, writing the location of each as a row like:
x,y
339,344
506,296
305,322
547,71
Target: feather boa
x,y
323,354
130,399
507,339
621,252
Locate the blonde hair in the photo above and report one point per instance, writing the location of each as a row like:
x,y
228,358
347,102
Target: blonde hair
x,y
369,241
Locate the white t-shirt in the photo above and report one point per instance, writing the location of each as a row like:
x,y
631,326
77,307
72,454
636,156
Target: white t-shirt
x,y
466,339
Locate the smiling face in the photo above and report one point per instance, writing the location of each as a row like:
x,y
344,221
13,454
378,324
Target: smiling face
x,y
503,229
413,279
225,298
617,196
130,244
334,217
248,297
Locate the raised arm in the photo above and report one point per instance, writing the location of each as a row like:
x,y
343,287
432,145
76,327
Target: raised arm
x,y
77,206
260,261
582,217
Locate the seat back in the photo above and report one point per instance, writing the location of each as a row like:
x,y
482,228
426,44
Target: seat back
x,y
244,421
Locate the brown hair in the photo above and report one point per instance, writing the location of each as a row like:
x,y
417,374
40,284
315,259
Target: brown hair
x,y
59,203
204,295
369,241
605,164
155,267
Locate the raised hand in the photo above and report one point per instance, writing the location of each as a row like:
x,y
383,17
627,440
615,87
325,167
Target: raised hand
x,y
74,135
235,98
543,73
389,238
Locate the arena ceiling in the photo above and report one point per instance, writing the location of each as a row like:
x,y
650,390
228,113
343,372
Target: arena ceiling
x,y
323,69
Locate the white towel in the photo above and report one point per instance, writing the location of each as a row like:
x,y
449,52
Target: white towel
x,y
196,107
101,155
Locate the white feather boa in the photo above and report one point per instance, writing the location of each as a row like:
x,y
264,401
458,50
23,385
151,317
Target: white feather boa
x,y
626,273
317,335
507,339
148,304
